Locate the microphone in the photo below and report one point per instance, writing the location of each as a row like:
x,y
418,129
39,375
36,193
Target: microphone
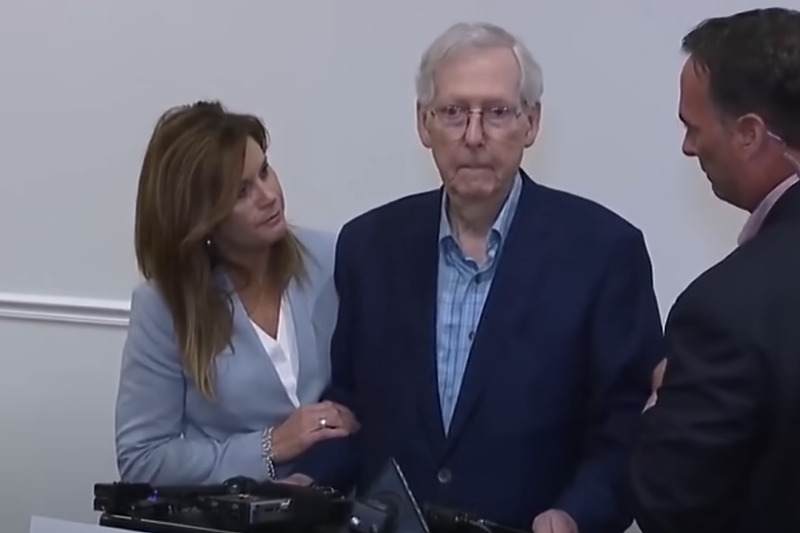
x,y
448,520
387,505
445,519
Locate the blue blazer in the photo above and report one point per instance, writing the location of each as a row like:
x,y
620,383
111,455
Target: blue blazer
x,y
167,433
559,371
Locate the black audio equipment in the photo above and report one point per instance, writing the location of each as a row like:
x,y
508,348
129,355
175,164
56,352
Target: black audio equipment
x,y
242,505
238,505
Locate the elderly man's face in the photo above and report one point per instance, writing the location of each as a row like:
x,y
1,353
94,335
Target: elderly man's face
x,y
477,127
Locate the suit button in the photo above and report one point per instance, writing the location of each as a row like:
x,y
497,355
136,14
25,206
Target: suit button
x,y
444,476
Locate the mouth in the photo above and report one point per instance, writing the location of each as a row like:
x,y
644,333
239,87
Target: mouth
x,y
476,167
271,219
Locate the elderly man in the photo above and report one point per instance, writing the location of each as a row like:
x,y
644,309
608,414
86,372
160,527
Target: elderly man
x,y
495,336
720,449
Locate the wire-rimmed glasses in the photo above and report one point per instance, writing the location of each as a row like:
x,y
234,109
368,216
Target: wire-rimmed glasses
x,y
494,120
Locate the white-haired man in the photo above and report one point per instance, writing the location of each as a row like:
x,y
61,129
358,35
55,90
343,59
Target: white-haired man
x,y
495,336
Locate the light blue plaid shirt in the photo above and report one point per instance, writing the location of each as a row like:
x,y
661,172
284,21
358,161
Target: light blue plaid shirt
x,y
462,290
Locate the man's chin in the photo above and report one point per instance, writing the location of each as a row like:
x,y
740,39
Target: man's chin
x,y
476,174
473,194
475,185
721,193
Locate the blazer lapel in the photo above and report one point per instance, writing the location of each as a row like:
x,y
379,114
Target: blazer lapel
x,y
419,260
307,352
522,261
245,336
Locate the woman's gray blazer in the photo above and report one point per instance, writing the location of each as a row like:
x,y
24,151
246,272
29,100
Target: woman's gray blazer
x,y
167,433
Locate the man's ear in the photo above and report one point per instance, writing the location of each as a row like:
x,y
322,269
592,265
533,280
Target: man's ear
x,y
422,125
750,132
533,117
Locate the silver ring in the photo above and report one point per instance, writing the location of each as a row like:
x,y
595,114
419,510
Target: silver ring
x,y
323,423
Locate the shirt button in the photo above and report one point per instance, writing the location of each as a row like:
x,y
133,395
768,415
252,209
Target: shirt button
x,y
471,335
444,476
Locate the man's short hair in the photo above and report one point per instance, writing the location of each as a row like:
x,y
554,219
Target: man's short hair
x,y
752,60
475,36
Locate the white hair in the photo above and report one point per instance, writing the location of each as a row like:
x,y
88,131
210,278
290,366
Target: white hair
x,y
463,37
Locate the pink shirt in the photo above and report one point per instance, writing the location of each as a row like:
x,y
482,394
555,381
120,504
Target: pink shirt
x,y
757,217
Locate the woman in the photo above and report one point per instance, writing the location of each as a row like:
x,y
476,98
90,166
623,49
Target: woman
x,y
227,349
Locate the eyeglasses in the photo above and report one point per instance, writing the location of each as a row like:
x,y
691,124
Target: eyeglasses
x,y
494,119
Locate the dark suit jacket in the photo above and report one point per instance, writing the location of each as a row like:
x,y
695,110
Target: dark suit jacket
x,y
557,377
720,451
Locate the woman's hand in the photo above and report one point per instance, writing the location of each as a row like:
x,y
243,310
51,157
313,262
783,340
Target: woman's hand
x,y
308,425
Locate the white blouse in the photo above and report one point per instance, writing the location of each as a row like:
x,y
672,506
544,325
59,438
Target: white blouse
x,y
283,350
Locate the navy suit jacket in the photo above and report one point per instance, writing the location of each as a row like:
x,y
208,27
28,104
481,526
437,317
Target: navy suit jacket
x,y
558,374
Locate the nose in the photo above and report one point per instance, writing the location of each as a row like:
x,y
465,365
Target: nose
x,y
266,194
688,148
474,134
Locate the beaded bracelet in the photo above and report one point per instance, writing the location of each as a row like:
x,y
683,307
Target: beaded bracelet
x,y
266,452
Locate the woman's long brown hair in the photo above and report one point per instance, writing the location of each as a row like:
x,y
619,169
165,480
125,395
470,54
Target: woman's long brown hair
x,y
188,185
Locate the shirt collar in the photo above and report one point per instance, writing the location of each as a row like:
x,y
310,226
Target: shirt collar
x,y
501,223
756,218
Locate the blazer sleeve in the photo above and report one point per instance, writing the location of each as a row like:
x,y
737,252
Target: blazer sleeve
x,y
694,453
626,344
333,462
150,410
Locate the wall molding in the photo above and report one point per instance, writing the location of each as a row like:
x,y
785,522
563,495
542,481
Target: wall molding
x,y
64,309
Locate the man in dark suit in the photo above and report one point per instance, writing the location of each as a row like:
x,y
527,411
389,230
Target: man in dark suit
x,y
720,448
496,336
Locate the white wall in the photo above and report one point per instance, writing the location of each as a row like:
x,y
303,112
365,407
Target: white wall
x,y
84,80
58,387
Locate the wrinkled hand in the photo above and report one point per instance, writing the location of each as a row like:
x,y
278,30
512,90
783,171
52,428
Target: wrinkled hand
x,y
658,378
308,425
554,521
